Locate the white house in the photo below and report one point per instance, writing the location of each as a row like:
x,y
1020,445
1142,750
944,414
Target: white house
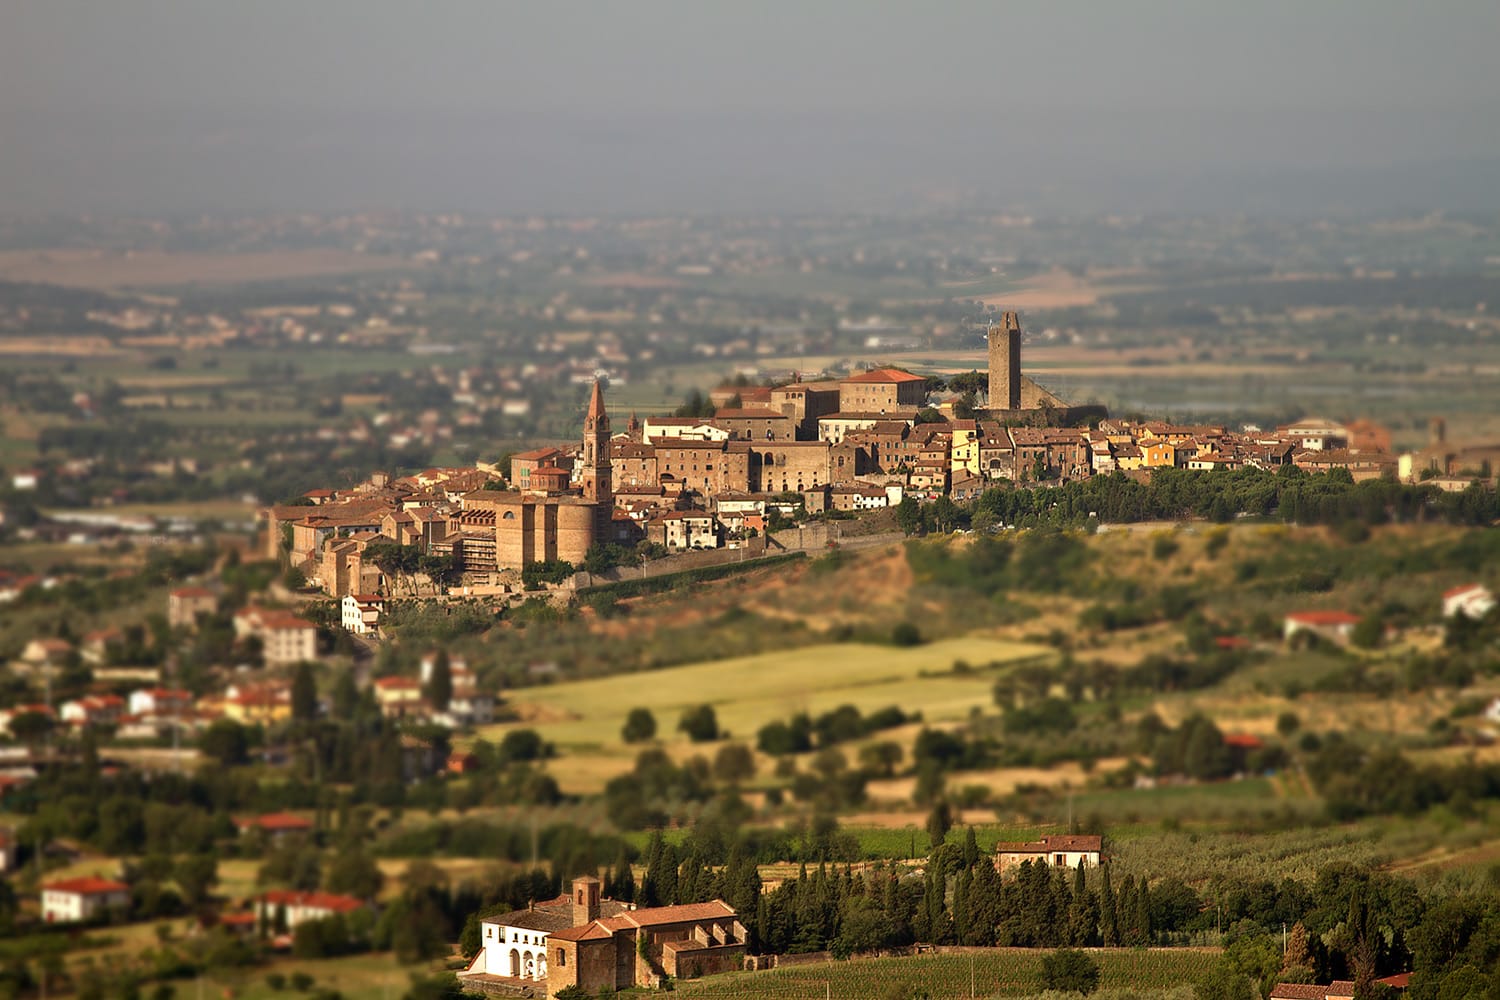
x,y
93,710
76,900
297,907
1058,851
1336,626
160,702
7,850
684,529
361,613
1472,601
284,637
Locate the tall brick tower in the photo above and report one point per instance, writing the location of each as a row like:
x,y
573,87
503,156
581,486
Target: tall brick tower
x,y
597,487
1005,363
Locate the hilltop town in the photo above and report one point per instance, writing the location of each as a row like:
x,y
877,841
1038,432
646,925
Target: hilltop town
x,y
761,456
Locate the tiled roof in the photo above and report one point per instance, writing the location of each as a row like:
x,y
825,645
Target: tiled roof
x,y
87,886
715,909
1323,618
1298,991
887,375
1063,842
312,900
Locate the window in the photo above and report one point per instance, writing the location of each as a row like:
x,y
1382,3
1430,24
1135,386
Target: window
x,y
1060,860
562,959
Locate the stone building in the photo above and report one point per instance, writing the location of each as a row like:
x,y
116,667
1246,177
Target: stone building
x,y
882,391
641,947
545,522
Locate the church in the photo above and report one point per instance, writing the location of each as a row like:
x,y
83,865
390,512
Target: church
x,y
546,520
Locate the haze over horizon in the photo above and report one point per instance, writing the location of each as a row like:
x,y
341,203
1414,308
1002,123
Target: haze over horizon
x,y
171,107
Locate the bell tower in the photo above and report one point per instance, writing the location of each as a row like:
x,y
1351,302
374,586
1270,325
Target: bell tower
x,y
595,477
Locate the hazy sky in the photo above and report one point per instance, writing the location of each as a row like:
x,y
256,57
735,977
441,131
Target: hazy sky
x,y
638,106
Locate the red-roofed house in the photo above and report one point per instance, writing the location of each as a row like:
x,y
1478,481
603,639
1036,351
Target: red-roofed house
x,y
185,604
360,613
76,900
297,907
882,390
1298,991
285,638
159,702
1473,600
276,826
1335,626
1065,851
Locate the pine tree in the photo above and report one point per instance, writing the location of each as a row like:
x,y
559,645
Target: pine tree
x,y
1298,955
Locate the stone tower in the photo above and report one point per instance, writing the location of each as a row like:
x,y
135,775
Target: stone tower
x,y
1005,363
595,478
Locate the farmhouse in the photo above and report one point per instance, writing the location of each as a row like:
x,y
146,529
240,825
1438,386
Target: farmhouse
x,y
1062,851
76,900
292,908
1335,626
185,604
276,826
1472,601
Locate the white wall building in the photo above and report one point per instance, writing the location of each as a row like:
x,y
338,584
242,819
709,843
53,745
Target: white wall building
x,y
361,613
76,900
1472,601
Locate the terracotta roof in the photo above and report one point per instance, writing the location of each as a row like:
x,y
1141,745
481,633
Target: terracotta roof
x,y
1323,618
715,909
1465,589
1399,981
194,592
885,375
1298,991
87,886
535,456
277,822
1062,842
588,932
1244,741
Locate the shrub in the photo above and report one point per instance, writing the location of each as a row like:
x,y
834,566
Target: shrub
x,y
640,726
301,982
1070,970
906,634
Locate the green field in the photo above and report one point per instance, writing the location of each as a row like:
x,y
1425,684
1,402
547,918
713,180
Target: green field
x,y
1002,972
748,692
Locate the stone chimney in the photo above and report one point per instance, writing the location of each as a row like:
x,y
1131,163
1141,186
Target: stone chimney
x,y
585,900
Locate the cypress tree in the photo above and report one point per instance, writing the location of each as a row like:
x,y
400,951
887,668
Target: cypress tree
x,y
1125,912
304,693
971,848
1109,930
1143,914
622,880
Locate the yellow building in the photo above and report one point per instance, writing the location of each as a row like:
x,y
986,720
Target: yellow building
x,y
964,452
1159,454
